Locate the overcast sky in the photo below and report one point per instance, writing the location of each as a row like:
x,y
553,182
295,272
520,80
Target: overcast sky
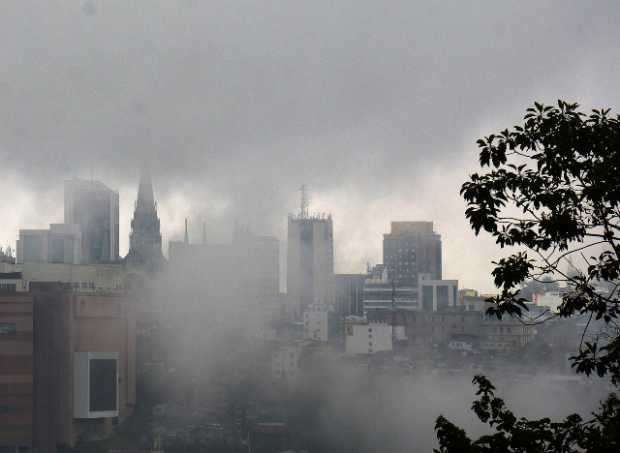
x,y
234,104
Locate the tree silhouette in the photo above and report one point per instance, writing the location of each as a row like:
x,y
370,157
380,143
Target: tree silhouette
x,y
551,193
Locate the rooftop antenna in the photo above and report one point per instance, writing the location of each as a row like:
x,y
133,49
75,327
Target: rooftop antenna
x,y
304,202
186,238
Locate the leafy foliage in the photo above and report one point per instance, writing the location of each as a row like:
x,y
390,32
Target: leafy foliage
x,y
551,192
512,434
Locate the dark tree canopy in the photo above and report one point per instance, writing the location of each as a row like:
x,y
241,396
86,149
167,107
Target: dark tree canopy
x,y
550,191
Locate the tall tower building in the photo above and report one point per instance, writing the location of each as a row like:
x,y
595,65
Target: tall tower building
x,y
145,237
411,248
94,207
310,259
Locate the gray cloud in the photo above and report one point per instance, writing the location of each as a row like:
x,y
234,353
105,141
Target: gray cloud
x,y
376,105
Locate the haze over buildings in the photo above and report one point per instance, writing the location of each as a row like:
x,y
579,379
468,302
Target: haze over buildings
x,y
377,108
151,156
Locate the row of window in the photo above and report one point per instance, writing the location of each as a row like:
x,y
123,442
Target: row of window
x,y
8,287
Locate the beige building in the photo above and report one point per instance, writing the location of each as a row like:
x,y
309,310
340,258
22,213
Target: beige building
x,y
67,366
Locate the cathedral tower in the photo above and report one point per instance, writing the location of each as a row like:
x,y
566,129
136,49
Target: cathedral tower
x,y
145,238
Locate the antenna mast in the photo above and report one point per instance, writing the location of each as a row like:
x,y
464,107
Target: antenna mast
x,y
303,213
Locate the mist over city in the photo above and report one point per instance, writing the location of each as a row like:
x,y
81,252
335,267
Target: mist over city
x,y
315,227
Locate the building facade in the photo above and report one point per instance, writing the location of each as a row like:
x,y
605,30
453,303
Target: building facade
x,y
16,371
67,366
367,337
94,207
437,295
411,248
86,278
84,362
349,294
320,322
310,262
61,243
380,293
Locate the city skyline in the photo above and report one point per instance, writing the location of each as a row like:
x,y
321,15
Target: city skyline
x,y
377,109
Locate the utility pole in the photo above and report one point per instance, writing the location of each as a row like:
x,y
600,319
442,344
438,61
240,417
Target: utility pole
x,y
393,316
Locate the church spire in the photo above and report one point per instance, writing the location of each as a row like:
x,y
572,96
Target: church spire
x,y
145,189
145,238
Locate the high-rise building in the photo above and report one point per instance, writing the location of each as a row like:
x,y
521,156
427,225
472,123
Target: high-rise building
x,y
59,244
310,260
94,207
411,248
145,238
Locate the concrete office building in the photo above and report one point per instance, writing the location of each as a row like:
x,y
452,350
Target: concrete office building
x,y
310,261
437,295
411,248
94,207
60,243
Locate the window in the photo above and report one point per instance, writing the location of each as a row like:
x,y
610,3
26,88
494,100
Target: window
x,y
8,287
8,328
427,298
103,385
57,250
95,387
442,297
33,245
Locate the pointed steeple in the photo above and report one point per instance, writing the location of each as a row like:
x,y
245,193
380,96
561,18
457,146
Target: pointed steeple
x,y
145,189
186,237
145,237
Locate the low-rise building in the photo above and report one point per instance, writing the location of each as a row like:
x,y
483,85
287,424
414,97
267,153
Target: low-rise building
x,y
285,362
320,322
437,295
505,335
380,293
367,337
